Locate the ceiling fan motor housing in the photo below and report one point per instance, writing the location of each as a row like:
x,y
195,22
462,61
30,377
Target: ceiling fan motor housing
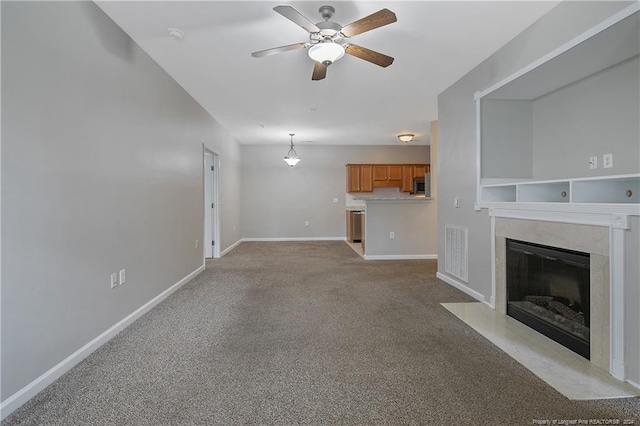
x,y
327,30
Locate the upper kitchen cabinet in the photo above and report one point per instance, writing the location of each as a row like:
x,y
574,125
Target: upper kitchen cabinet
x,y
410,172
366,177
565,127
359,178
387,175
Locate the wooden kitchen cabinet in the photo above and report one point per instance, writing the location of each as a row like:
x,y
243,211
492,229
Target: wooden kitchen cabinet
x,y
407,177
365,177
387,175
411,171
359,178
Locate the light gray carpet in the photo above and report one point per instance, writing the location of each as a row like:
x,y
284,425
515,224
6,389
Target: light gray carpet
x,y
289,333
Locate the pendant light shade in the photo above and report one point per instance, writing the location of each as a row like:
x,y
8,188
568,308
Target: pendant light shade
x,y
292,156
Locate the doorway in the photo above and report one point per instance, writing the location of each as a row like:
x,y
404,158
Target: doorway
x,y
211,212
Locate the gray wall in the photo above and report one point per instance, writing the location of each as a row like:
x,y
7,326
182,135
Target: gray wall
x,y
413,222
507,128
101,170
278,199
595,116
457,129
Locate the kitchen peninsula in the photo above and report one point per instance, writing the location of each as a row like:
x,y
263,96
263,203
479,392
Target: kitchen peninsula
x,y
398,227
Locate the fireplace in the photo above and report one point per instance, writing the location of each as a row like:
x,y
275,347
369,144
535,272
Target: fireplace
x,y
548,289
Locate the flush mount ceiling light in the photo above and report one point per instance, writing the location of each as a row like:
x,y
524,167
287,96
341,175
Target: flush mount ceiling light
x,y
292,156
326,52
406,137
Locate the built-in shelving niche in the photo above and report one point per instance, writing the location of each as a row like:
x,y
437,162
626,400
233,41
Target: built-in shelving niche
x,y
606,189
509,111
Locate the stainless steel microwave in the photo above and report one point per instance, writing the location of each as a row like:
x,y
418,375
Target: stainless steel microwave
x,y
422,185
418,185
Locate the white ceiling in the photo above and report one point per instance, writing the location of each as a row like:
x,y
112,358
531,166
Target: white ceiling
x,y
261,101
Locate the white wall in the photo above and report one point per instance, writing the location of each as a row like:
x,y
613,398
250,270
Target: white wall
x,y
457,130
278,199
101,170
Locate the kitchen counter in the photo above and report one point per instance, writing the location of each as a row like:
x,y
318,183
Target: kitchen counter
x,y
401,197
357,208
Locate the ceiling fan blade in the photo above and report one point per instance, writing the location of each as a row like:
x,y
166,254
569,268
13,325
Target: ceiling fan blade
x,y
375,20
297,18
319,71
369,55
280,49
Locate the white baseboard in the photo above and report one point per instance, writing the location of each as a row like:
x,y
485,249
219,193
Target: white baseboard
x,y
460,286
297,239
400,256
231,247
632,383
32,389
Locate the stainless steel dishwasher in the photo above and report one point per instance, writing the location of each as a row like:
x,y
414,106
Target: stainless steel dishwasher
x,y
356,225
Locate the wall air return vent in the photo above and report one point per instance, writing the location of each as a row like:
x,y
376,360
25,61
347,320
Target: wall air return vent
x,y
456,261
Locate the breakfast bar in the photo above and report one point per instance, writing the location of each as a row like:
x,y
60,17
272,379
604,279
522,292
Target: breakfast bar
x,y
399,227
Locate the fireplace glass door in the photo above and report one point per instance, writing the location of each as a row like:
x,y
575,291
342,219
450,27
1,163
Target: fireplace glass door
x,y
548,290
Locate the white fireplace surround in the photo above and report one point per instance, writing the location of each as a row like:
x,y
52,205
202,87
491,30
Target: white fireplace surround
x,y
600,235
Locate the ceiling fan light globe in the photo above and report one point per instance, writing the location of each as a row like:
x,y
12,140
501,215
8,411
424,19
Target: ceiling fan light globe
x,y
326,52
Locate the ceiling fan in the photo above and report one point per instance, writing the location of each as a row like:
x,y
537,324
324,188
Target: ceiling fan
x,y
328,41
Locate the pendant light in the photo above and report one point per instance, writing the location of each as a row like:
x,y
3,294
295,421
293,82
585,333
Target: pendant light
x,y
292,157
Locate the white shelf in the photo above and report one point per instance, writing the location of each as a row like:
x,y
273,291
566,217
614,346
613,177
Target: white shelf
x,y
614,190
623,189
550,192
499,193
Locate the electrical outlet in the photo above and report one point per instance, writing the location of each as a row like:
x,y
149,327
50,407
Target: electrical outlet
x,y
335,199
456,202
607,161
114,280
593,162
306,223
122,276
392,235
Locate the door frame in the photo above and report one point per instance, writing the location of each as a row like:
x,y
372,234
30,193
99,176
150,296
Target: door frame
x,y
215,175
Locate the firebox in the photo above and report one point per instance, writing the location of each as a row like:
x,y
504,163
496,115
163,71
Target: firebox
x,y
548,290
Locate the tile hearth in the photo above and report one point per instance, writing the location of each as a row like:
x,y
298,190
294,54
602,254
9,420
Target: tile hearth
x,y
567,372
